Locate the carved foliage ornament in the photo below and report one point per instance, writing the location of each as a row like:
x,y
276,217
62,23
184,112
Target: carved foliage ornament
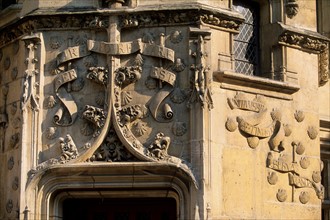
x,y
303,42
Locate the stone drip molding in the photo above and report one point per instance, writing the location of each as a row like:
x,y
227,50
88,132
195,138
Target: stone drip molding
x,y
308,41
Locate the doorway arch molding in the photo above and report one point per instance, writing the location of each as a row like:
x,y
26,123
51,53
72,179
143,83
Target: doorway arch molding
x,y
47,191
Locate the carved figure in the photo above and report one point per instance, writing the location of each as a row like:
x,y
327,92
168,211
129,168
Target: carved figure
x,y
158,149
68,147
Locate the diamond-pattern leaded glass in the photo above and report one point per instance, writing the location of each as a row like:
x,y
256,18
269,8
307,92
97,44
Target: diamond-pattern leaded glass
x,y
246,43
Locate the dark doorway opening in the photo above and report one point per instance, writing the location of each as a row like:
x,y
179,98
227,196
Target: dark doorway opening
x,y
120,209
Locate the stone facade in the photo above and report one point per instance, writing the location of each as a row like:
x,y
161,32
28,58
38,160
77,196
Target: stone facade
x,y
140,99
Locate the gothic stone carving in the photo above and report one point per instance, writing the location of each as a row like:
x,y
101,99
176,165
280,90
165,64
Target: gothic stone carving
x,y
292,8
158,149
94,115
68,148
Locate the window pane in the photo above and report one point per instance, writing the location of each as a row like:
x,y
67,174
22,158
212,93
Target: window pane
x,y
246,43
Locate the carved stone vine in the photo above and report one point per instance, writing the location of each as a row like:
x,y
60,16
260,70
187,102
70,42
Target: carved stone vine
x,y
94,115
303,42
98,75
230,23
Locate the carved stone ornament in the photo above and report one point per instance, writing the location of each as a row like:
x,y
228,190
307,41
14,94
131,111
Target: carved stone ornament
x,y
94,115
68,148
56,42
287,129
276,114
303,42
10,163
14,73
272,178
178,96
176,37
98,75
316,176
300,149
304,162
231,124
158,149
312,132
111,150
9,206
78,85
6,63
49,102
299,116
13,108
127,75
292,8
179,65
140,128
253,142
179,128
87,129
304,197
15,183
14,140
281,195
324,67
131,113
126,98
51,133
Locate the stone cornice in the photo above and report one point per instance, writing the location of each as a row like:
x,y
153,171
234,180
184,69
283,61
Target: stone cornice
x,y
254,84
167,15
302,39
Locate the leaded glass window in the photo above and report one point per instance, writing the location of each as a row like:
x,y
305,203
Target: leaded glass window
x,y
246,43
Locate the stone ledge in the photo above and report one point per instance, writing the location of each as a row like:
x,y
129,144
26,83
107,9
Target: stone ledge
x,y
254,84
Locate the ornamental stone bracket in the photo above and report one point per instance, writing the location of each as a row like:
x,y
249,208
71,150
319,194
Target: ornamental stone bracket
x,y
307,41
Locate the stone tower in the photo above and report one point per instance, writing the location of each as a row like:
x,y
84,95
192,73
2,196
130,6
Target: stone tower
x,y
162,109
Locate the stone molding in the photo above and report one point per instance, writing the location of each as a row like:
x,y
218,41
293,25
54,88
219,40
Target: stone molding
x,y
137,17
271,88
307,41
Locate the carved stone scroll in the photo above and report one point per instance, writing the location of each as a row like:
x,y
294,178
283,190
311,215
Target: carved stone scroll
x,y
126,48
254,130
72,53
66,98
